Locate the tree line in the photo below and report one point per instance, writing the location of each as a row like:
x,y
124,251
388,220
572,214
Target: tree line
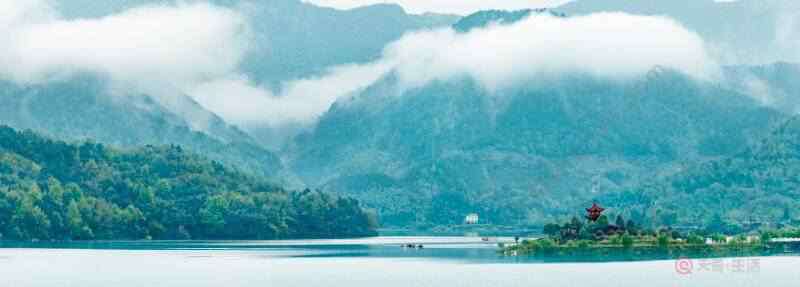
x,y
54,190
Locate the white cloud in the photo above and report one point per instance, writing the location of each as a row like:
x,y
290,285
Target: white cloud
x,y
610,45
787,35
158,50
460,7
176,44
238,100
197,48
165,51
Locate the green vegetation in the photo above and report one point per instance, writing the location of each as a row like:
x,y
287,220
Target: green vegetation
x,y
576,236
81,108
753,190
442,151
54,190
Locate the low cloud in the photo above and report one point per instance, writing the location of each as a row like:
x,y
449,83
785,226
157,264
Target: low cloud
x,y
238,100
787,34
175,44
159,50
614,46
609,45
196,49
166,51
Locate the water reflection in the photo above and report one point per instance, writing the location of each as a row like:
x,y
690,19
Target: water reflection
x,y
461,249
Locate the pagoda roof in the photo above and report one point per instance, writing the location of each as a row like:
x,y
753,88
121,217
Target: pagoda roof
x,y
595,208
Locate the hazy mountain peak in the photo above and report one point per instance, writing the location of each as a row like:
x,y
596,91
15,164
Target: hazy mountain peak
x,y
739,32
503,17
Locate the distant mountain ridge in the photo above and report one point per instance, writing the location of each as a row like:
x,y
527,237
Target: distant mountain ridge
x,y
528,154
524,155
775,84
294,39
482,19
738,32
83,108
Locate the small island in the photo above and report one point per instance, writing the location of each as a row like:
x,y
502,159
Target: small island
x,y
596,235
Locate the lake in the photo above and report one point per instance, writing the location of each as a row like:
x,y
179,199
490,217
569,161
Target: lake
x,y
381,261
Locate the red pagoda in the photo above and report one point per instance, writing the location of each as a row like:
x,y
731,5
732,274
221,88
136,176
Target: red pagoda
x,y
594,212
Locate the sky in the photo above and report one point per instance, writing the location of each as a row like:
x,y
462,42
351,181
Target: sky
x,y
460,7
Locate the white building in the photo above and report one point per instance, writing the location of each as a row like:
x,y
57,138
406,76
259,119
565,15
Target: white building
x,y
471,218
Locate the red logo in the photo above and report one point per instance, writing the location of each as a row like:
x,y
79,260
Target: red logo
x,y
684,266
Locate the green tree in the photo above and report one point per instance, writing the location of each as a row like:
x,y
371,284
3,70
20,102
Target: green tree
x,y
89,191
631,226
551,229
75,222
28,220
627,240
576,223
695,239
663,240
620,222
602,222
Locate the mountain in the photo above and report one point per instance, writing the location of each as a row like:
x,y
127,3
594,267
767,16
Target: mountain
x,y
523,155
51,189
774,84
293,39
753,188
297,40
740,32
484,18
290,39
84,107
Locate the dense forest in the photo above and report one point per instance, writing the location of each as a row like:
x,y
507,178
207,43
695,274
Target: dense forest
x,y
756,187
535,154
51,189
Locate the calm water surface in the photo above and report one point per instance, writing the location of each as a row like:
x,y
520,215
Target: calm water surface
x,y
444,261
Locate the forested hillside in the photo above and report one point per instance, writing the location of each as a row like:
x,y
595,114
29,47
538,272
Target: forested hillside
x,y
759,186
84,108
525,155
51,189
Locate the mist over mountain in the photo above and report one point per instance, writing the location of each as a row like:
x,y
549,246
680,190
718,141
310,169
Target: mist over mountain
x,y
775,85
522,140
520,155
739,32
298,40
522,116
292,39
497,17
82,109
245,58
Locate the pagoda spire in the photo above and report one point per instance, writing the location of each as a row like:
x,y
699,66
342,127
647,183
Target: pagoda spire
x,y
594,212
